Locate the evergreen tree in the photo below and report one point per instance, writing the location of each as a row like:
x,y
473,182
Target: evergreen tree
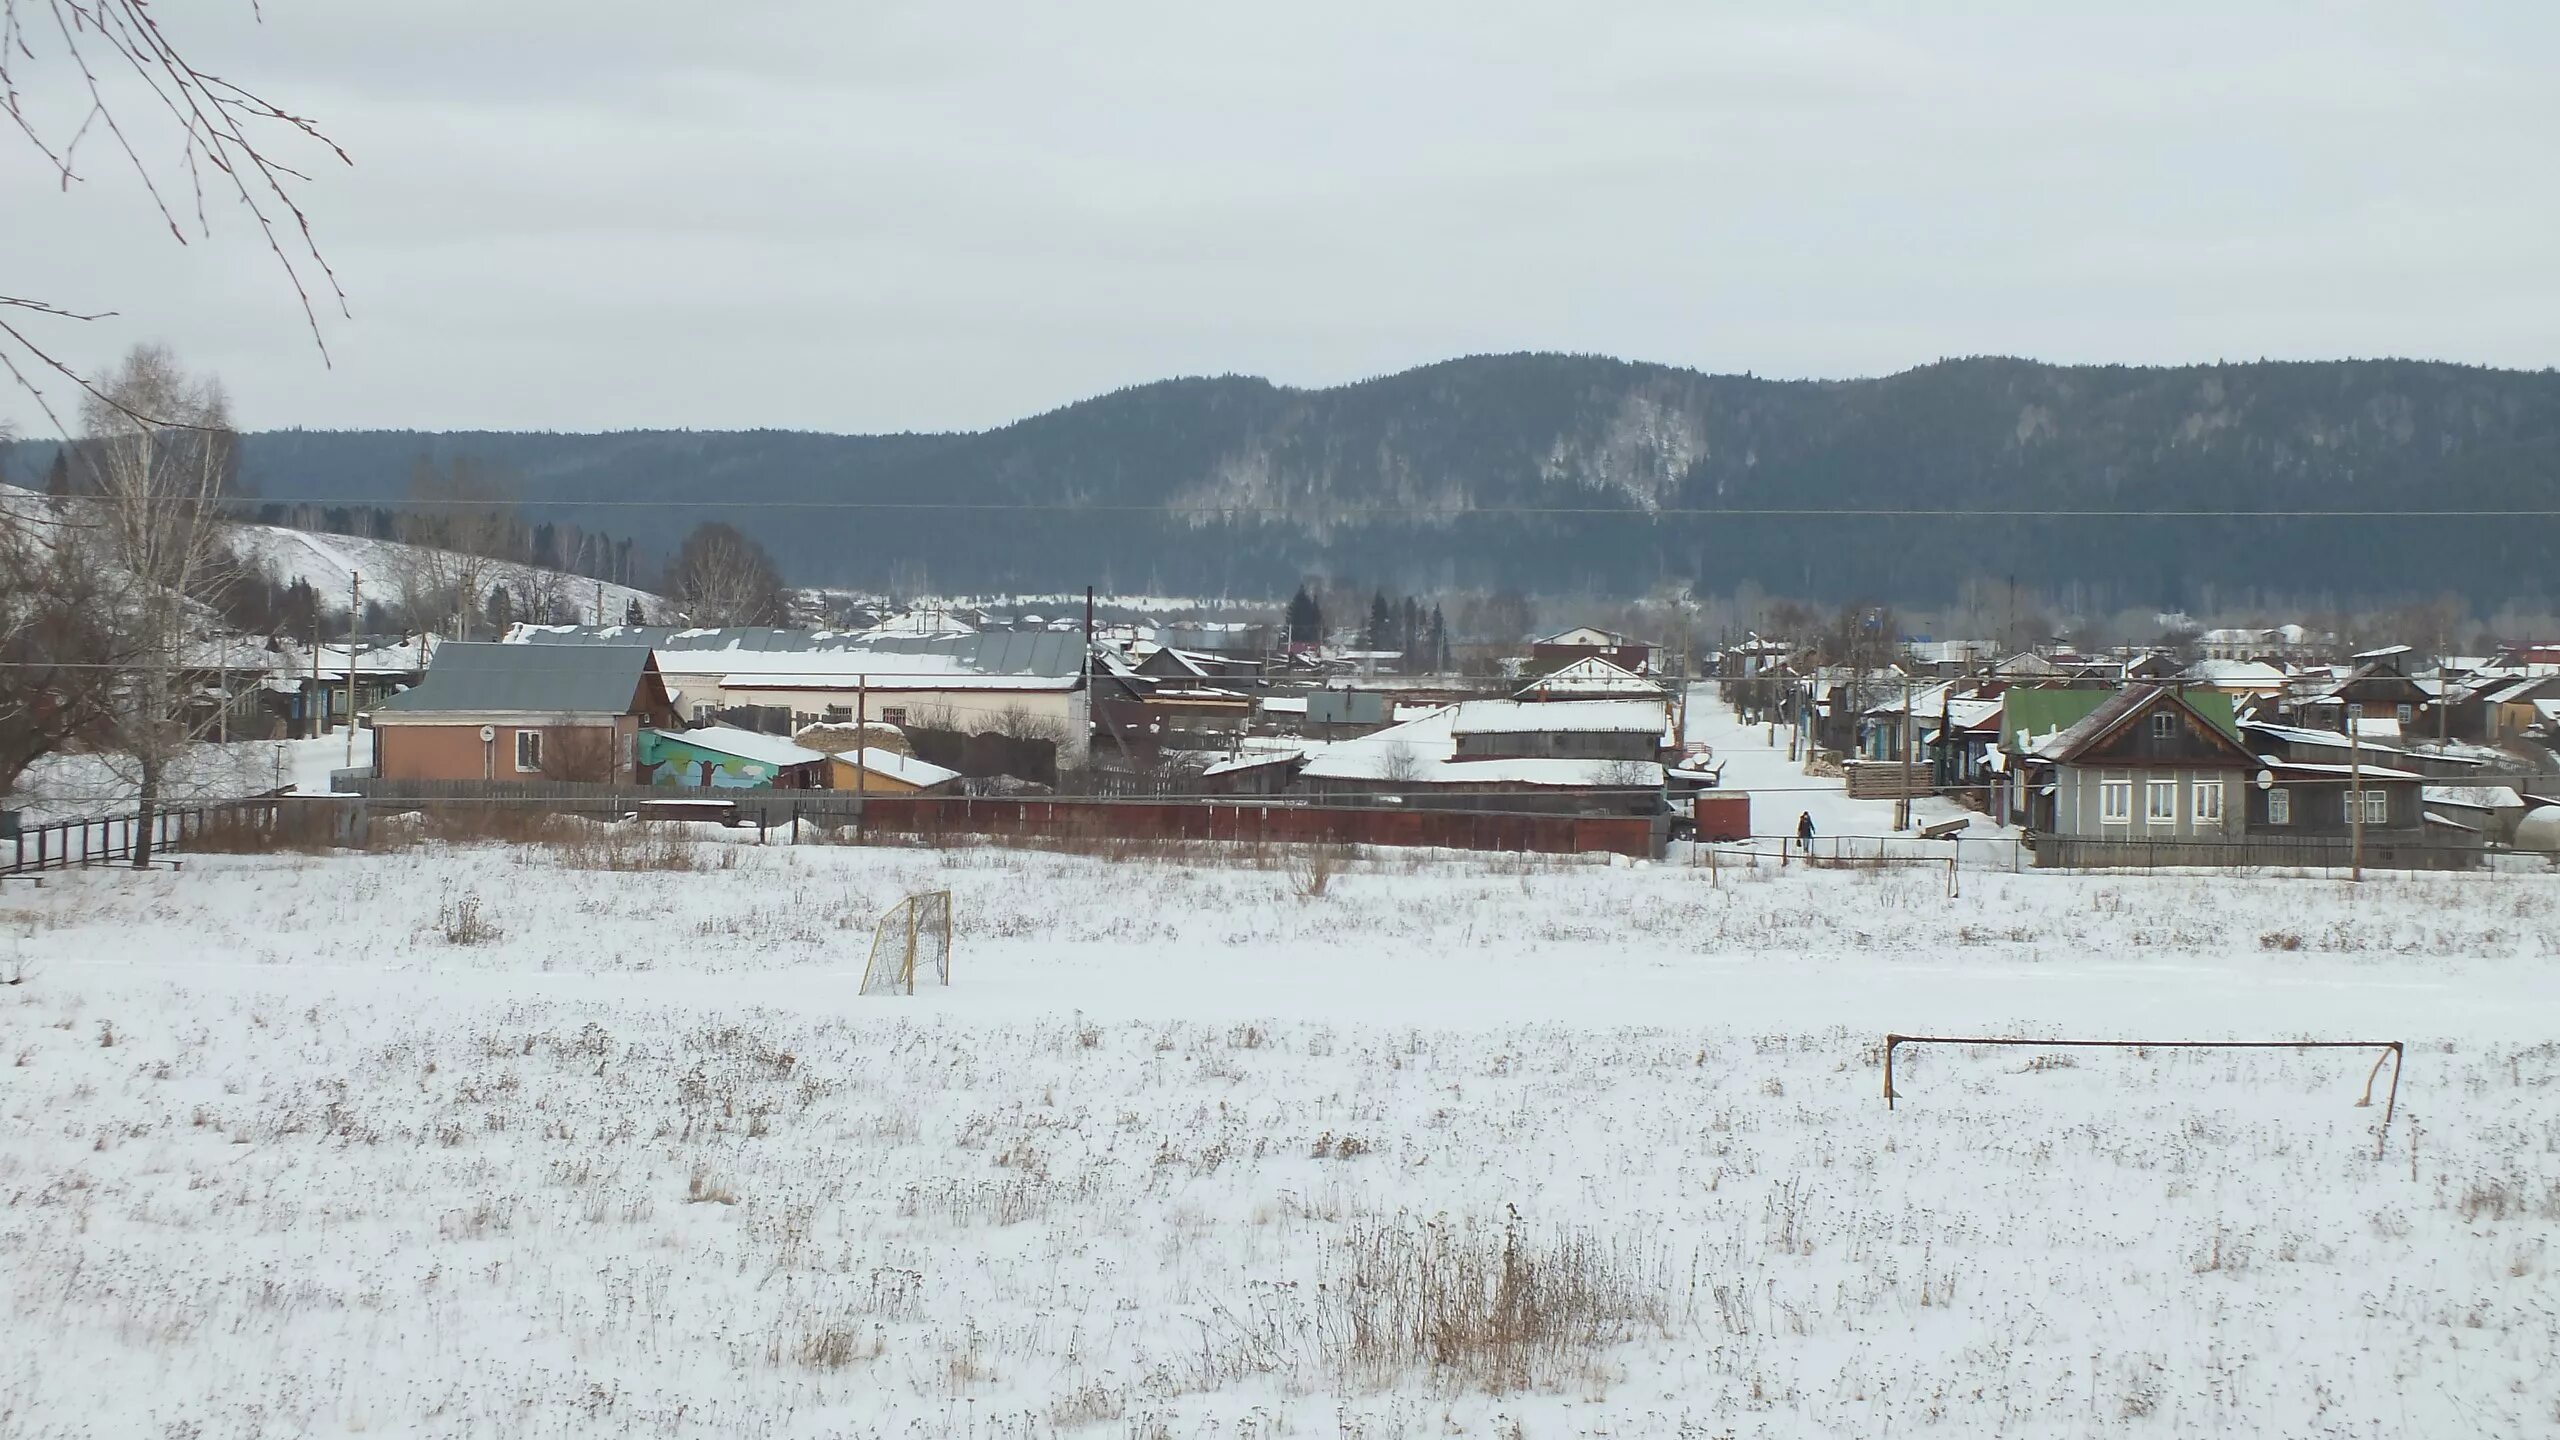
x,y
1382,621
1438,643
632,614
57,480
501,609
1306,621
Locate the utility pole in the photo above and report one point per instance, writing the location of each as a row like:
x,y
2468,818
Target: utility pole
x,y
355,614
222,716
318,703
861,756
1902,820
2355,792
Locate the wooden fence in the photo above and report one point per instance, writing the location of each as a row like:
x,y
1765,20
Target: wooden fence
x,y
110,839
1244,819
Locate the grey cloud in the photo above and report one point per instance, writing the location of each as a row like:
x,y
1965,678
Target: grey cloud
x,y
916,216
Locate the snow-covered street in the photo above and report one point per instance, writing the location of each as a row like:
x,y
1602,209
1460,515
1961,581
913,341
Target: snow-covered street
x,y
482,1140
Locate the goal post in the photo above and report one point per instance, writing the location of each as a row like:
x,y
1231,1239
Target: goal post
x,y
911,946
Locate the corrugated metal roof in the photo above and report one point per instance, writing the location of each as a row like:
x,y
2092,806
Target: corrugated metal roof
x,y
474,678
1051,653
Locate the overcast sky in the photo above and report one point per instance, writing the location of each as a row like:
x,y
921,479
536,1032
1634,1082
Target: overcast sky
x,y
929,216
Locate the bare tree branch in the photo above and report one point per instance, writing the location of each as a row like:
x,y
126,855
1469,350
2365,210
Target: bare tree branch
x,y
225,137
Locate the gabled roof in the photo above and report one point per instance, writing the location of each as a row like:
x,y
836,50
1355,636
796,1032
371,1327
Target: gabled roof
x,y
1592,677
2211,709
475,678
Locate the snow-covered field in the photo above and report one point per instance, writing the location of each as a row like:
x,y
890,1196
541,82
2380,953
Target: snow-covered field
x,y
483,1141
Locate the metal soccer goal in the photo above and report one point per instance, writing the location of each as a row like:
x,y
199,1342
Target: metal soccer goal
x,y
911,946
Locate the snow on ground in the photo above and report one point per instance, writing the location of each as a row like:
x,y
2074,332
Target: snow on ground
x,y
75,786
326,562
482,1141
1755,760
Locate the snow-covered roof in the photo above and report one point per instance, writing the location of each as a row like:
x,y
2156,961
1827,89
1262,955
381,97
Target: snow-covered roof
x,y
923,774
2369,772
1422,751
1547,717
2234,674
1283,704
2476,797
771,750
1590,677
1252,762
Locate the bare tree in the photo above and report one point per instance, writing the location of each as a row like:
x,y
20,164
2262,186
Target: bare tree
x,y
720,577
58,650
118,79
462,521
150,474
584,753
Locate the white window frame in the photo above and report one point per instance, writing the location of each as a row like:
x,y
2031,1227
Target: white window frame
x,y
2408,713
2280,806
2377,805
2115,801
2153,812
535,748
2206,803
2164,725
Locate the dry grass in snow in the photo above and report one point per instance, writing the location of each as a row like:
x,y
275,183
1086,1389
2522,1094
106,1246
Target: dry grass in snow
x,y
484,1140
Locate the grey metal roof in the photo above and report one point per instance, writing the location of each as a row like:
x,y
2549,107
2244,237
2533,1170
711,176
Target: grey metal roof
x,y
470,677
1012,652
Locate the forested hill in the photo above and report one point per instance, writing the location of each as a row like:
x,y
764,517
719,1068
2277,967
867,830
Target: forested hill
x,y
1558,473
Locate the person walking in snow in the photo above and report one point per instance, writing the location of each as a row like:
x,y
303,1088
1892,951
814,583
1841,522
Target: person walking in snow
x,y
1804,832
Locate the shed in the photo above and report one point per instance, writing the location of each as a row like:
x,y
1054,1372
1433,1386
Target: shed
x,y
723,757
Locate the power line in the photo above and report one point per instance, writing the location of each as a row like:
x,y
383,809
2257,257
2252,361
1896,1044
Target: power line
x,y
1745,512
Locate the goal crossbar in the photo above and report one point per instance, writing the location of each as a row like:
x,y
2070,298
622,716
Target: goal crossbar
x,y
2391,1050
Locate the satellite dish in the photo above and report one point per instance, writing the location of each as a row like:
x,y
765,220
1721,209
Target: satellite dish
x,y
488,733
2266,779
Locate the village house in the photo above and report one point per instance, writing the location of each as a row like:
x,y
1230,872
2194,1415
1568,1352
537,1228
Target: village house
x,y
1585,642
1591,678
1584,756
493,712
2148,776
1024,686
2309,815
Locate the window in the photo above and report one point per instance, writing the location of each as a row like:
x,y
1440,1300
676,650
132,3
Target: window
x,y
2208,803
528,749
2279,807
837,715
2377,805
2160,802
2115,802
894,715
2408,713
2164,726
704,712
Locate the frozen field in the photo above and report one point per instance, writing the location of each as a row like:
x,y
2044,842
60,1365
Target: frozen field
x,y
487,1141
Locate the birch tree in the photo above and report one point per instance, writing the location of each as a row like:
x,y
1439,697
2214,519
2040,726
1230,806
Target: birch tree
x,y
156,460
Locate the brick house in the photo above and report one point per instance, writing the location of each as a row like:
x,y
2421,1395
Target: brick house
x,y
493,712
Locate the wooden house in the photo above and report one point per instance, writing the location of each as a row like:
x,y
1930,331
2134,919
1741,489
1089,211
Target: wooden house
x,y
2154,768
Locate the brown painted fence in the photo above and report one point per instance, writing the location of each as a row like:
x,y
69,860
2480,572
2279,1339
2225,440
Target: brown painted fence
x,y
1246,820
1251,823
